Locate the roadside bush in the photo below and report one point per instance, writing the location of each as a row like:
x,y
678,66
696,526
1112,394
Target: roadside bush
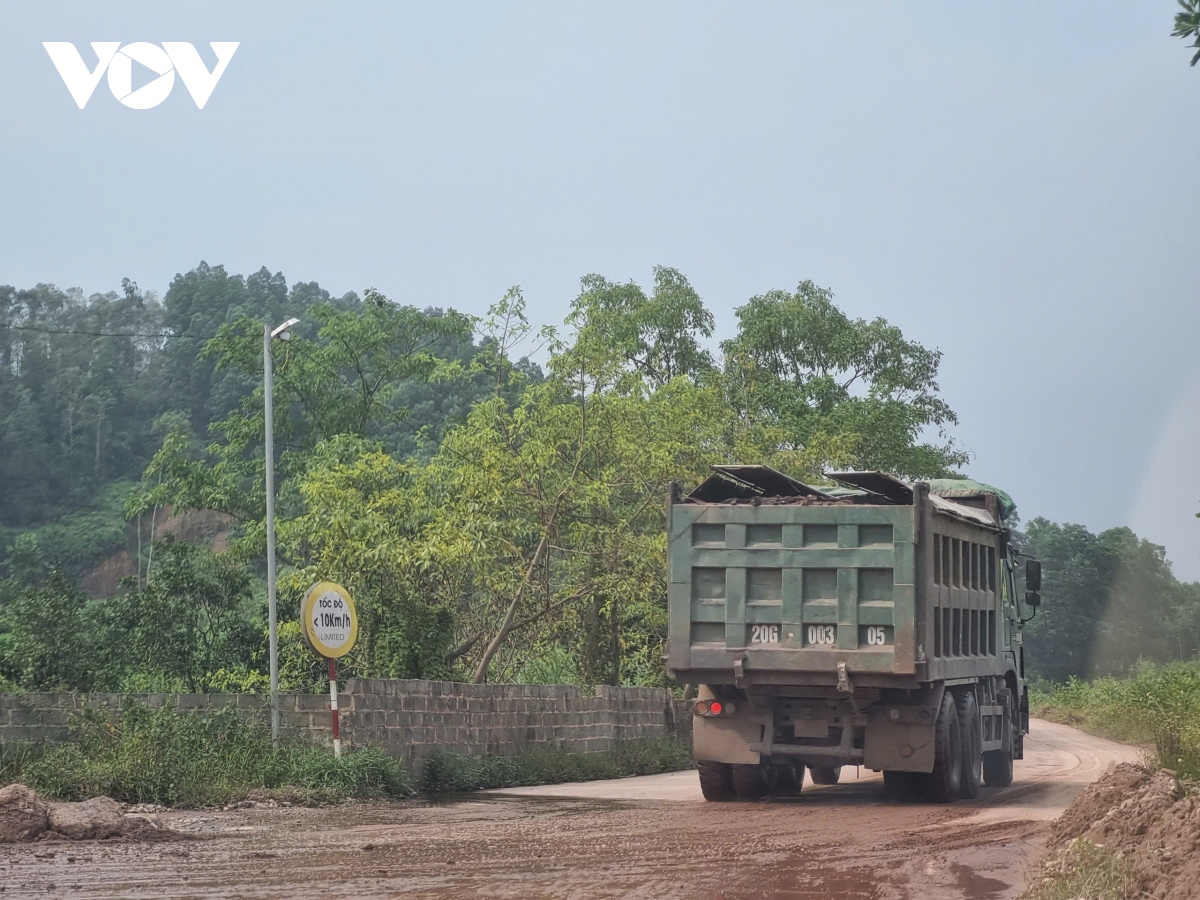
x,y
453,773
1157,705
1084,871
171,758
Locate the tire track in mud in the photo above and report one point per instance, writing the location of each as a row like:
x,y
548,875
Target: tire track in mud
x,y
647,837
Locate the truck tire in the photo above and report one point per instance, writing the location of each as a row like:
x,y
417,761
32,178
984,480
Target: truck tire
x,y
716,780
825,774
903,787
749,782
942,784
971,730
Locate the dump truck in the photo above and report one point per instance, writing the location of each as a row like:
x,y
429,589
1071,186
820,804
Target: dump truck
x,y
873,623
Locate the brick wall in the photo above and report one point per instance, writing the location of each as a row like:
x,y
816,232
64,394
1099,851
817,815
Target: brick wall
x,y
408,719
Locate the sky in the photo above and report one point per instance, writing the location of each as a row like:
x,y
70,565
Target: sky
x,y
1010,183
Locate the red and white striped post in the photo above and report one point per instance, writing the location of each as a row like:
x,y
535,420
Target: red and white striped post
x,y
333,708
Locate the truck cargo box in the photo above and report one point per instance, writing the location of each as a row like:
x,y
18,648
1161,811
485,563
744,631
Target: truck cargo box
x,y
770,578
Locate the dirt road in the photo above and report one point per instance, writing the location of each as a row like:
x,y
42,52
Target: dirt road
x,y
649,837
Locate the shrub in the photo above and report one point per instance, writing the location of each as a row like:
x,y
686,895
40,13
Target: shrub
x,y
1157,705
172,758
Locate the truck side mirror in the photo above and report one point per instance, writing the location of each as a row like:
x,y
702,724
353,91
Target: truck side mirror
x,y
1033,576
1033,599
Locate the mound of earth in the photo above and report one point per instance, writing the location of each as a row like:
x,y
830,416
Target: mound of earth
x,y
100,817
1149,819
24,816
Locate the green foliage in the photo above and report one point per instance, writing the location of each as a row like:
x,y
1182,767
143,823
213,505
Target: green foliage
x,y
345,380
490,522
360,528
173,758
75,410
190,623
1084,871
50,637
553,665
74,540
1157,705
1109,600
446,773
857,389
1187,25
658,337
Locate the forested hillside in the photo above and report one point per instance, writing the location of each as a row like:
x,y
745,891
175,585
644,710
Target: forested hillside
x,y
496,519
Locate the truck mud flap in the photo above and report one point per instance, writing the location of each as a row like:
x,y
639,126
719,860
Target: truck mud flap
x,y
899,737
727,740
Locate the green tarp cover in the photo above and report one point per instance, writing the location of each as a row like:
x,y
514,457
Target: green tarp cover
x,y
966,487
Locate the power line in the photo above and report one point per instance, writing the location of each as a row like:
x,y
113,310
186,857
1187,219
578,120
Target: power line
x,y
86,333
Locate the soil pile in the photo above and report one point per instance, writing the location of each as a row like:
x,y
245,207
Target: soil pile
x,y
24,816
1148,818
100,817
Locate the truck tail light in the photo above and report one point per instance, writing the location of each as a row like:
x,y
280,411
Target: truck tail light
x,y
713,708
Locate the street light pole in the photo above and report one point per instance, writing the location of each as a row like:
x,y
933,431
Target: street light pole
x,y
269,422
272,622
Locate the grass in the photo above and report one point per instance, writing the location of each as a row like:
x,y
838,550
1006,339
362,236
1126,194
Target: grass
x,y
1084,871
452,773
170,758
1158,705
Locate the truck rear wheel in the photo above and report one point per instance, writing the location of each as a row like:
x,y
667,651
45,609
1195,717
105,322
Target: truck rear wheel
x,y
942,784
971,729
716,780
825,774
749,782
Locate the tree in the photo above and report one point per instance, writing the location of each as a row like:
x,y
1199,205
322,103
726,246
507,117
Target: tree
x,y
1187,25
191,621
343,381
658,337
80,383
857,392
549,508
52,643
360,527
1109,601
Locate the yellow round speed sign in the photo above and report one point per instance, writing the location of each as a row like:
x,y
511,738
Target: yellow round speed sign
x,y
328,619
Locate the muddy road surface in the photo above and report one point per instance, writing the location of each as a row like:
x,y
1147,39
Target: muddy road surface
x,y
649,837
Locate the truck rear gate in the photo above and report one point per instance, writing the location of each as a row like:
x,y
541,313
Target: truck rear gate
x,y
790,586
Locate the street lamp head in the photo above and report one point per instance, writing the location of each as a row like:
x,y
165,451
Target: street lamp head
x,y
282,331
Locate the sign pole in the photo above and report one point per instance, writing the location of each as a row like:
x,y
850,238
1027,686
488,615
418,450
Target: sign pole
x,y
329,623
333,708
